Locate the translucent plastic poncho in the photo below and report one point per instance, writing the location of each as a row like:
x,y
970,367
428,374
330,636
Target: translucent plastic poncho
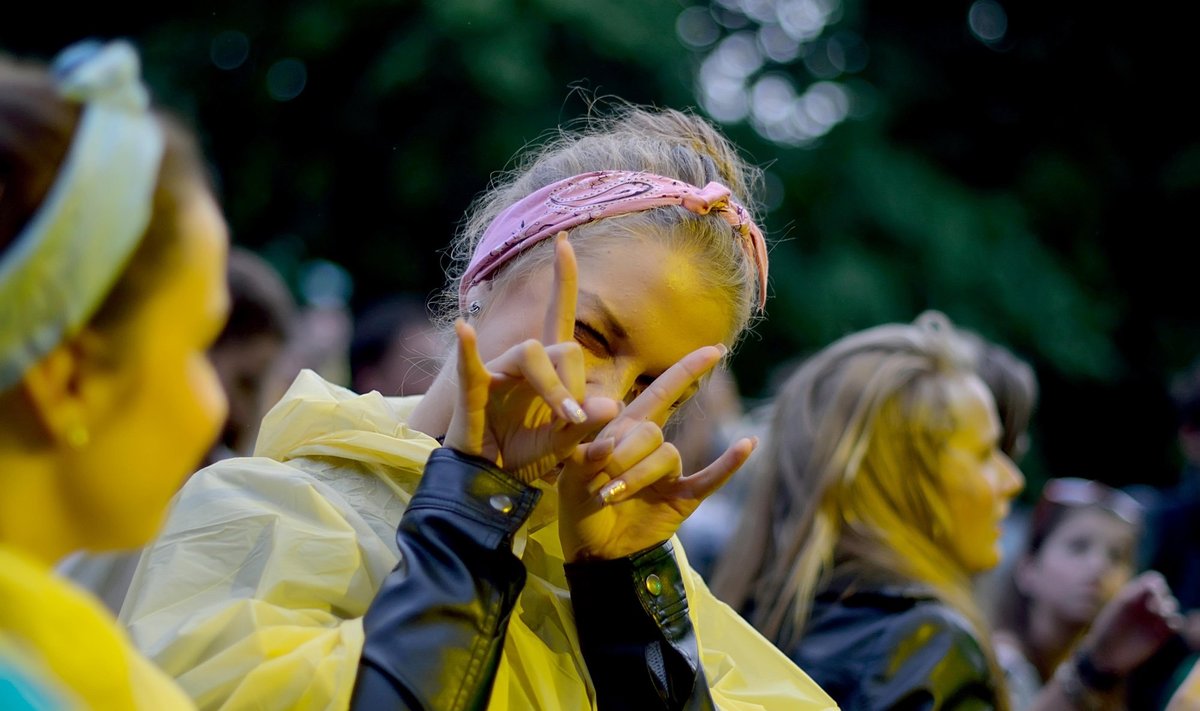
x,y
252,597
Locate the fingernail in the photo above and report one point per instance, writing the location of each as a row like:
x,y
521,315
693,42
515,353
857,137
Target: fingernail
x,y
574,412
723,348
612,489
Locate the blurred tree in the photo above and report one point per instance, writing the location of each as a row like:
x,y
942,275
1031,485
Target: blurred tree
x,y
361,131
1027,167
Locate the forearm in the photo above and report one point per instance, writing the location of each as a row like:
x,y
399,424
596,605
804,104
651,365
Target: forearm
x,y
636,636
435,630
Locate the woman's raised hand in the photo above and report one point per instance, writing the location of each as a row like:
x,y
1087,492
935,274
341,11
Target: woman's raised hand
x,y
1133,625
626,491
526,410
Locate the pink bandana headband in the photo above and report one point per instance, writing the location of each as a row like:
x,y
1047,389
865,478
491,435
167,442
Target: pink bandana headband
x,y
588,197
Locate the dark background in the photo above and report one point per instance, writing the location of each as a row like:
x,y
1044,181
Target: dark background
x,y
1039,184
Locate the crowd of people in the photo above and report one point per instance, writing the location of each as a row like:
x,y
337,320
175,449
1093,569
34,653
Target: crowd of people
x,y
517,498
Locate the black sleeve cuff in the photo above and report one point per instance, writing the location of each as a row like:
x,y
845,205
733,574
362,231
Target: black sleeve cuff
x,y
646,585
475,489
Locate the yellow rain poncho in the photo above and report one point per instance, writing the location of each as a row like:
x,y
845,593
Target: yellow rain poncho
x,y
253,595
66,642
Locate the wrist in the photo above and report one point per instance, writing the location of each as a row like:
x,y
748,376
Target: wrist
x,y
1095,676
1085,686
584,555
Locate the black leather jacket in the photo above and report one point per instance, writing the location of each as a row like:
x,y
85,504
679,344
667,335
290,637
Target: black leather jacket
x,y
893,647
435,631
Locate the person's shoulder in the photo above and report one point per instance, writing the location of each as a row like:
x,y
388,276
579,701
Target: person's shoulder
x,y
241,475
1020,675
258,488
307,492
893,646
931,614
895,609
931,653
931,626
851,637
854,618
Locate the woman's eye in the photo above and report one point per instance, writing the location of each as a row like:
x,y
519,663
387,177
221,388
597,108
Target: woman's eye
x,y
591,339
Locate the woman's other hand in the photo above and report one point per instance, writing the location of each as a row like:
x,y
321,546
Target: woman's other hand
x,y
626,491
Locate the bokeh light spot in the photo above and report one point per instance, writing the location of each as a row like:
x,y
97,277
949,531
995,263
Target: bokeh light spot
x,y
229,50
286,79
987,20
697,28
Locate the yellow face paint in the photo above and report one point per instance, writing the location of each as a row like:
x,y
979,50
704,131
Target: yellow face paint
x,y
639,312
165,404
979,480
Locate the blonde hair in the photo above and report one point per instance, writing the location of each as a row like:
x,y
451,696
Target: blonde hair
x,y
850,479
667,142
1013,383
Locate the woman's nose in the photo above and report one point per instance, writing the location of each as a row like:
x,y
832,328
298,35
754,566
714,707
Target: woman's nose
x,y
1013,480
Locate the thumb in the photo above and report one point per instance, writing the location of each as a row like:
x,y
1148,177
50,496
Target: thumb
x,y
470,408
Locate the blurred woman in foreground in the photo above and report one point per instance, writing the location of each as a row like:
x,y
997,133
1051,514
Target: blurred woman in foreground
x,y
112,263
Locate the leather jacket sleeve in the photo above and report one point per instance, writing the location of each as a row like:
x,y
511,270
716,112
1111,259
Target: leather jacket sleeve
x,y
637,639
435,630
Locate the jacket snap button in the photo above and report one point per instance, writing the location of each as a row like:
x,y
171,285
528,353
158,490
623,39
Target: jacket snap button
x,y
501,503
654,584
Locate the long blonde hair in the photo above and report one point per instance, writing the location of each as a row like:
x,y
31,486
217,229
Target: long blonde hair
x,y
850,481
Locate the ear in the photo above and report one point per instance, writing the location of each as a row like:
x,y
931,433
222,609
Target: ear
x,y
475,301
62,388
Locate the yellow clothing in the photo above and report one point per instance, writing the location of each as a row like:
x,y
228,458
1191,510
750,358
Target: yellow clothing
x,y
78,650
252,596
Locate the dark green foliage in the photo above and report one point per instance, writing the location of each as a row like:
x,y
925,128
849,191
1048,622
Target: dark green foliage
x,y
1040,190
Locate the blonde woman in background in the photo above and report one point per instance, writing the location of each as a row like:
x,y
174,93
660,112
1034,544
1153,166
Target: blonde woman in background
x,y
883,493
